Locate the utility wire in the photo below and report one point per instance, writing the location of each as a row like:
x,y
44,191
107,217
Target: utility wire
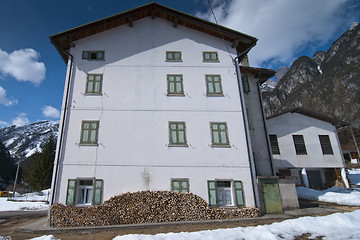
x,y
218,26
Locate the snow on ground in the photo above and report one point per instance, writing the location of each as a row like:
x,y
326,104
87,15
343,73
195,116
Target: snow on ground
x,y
354,175
29,201
337,195
45,237
335,226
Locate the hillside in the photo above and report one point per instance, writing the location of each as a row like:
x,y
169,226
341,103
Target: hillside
x,y
23,141
328,83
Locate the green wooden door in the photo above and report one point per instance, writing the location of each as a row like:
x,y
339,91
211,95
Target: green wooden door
x,y
271,193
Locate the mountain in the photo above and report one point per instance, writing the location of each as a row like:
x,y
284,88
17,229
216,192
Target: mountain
x,y
23,141
328,83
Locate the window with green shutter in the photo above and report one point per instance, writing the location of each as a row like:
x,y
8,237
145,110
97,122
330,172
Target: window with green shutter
x,y
180,185
177,134
246,85
210,57
70,195
213,85
239,193
93,55
173,56
94,84
175,85
212,193
97,192
89,132
219,134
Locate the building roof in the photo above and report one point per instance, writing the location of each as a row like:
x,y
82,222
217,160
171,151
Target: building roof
x,y
262,74
334,121
65,40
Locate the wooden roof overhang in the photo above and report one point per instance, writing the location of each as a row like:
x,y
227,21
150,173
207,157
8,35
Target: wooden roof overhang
x,y
262,74
65,40
334,121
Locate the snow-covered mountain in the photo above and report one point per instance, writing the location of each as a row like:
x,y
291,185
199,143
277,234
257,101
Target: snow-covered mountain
x,y
23,141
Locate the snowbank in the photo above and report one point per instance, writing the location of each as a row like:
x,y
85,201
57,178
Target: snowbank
x,y
335,226
337,195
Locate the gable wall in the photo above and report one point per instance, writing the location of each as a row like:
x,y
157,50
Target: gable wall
x,y
284,126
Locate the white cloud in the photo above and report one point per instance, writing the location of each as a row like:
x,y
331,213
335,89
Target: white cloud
x,y
20,120
23,65
3,124
50,111
283,27
4,99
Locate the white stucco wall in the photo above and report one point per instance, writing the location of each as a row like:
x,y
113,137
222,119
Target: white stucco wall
x,y
134,112
284,126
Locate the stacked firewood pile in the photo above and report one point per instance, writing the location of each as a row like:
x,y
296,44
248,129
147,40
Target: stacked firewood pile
x,y
144,207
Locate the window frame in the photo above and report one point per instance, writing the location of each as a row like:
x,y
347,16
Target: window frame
x,y
220,144
325,144
173,59
236,191
204,53
73,188
299,144
93,84
274,144
177,130
86,55
89,143
209,80
180,180
175,93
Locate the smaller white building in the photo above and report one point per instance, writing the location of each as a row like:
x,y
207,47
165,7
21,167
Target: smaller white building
x,y
305,145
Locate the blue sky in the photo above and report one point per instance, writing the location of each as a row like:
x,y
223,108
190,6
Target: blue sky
x,y
32,73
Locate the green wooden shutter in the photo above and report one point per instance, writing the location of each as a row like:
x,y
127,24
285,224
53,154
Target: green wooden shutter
x,y
212,193
70,196
239,193
246,85
97,191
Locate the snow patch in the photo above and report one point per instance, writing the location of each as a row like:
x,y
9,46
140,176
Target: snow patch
x,y
354,25
319,69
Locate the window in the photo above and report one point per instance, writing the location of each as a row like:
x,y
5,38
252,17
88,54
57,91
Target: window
x,y
84,192
173,56
210,57
299,145
175,85
93,84
246,85
93,55
180,185
213,85
219,136
226,193
89,132
177,136
274,144
326,145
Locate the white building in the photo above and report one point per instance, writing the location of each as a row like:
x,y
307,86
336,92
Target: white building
x,y
305,145
152,102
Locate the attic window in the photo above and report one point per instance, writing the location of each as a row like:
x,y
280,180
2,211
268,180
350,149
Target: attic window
x,y
210,57
173,56
93,55
246,85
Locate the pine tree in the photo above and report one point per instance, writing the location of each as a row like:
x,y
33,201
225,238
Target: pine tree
x,y
7,167
38,171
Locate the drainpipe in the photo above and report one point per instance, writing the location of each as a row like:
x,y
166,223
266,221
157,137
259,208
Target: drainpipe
x,y
58,150
247,132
